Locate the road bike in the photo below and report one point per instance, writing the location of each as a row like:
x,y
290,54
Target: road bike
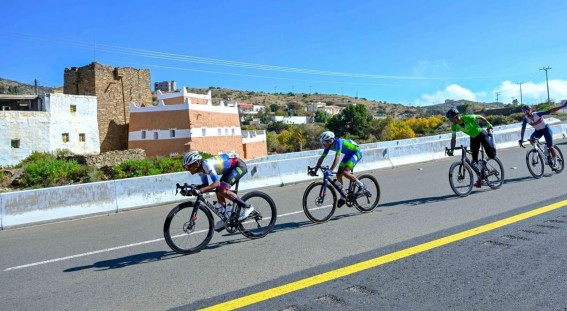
x,y
461,177
188,227
320,200
535,158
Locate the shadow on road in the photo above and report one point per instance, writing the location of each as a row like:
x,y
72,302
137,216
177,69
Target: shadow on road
x,y
419,201
126,261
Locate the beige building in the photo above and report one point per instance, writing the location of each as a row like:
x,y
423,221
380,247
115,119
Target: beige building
x,y
184,121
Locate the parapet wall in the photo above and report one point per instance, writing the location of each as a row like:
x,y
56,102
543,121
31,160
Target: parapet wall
x,y
50,204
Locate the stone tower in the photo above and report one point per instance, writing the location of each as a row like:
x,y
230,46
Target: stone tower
x,y
114,88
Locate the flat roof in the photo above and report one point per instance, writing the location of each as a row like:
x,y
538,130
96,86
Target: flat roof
x,y
12,97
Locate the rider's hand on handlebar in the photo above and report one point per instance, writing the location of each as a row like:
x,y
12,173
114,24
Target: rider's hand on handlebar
x,y
196,192
521,143
450,152
328,173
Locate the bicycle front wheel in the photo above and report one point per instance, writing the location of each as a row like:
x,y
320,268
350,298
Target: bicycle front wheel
x,y
493,173
461,178
186,233
262,219
535,163
369,200
560,162
318,205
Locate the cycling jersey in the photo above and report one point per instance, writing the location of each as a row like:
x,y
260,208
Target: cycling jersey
x,y
470,128
218,165
538,121
341,145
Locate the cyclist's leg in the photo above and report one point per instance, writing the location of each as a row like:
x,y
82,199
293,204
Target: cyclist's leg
x,y
229,179
347,165
475,147
549,140
488,147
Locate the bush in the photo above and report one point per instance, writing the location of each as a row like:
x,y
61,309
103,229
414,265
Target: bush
x,y
48,172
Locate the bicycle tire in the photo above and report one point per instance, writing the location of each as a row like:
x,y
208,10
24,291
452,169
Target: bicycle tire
x,y
365,203
461,178
560,162
319,209
185,234
535,163
493,173
262,220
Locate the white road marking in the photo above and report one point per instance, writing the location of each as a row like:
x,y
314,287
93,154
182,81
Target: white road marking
x,y
105,250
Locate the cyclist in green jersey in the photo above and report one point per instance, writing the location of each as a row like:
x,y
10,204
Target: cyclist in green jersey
x,y
352,156
469,125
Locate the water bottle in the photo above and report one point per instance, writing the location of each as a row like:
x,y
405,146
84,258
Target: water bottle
x,y
219,208
546,151
228,210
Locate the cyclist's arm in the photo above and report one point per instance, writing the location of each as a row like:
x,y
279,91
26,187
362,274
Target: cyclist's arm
x,y
524,122
210,187
453,139
336,161
320,161
483,119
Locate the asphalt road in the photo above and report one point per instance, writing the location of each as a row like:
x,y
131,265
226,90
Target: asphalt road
x,y
120,261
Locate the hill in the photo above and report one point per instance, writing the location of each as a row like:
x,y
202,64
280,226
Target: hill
x,y
285,100
18,88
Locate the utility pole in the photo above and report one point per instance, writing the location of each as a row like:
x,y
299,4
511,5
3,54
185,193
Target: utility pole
x,y
547,83
497,93
521,101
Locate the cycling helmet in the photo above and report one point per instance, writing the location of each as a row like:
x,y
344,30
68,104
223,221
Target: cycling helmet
x,y
526,109
452,113
191,157
326,136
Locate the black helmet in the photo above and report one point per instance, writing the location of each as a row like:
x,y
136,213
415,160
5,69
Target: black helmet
x,y
526,108
452,113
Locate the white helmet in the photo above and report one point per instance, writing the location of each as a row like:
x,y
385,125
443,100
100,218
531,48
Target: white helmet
x,y
326,136
191,157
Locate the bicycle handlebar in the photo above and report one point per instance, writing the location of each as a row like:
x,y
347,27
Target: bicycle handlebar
x,y
186,189
312,171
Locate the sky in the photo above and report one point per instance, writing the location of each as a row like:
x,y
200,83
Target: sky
x,y
414,53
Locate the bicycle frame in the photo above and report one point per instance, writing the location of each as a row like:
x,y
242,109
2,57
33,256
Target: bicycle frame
x,y
328,181
465,158
538,146
200,200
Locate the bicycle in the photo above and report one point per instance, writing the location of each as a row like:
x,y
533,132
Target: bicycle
x,y
325,202
461,172
535,158
188,227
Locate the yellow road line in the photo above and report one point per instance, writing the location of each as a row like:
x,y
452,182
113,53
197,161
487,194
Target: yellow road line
x,y
371,263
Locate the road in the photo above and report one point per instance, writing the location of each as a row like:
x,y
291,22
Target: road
x,y
120,261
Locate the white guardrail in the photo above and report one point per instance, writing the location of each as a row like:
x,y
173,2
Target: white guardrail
x,y
50,204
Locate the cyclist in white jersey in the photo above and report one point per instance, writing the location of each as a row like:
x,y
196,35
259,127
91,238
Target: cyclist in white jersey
x,y
536,120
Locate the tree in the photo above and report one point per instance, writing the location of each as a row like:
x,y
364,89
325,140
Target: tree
x,y
353,120
321,116
274,107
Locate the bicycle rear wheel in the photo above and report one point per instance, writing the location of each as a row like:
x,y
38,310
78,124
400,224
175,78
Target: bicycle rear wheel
x,y
262,219
369,200
319,207
493,173
186,233
461,178
535,163
560,162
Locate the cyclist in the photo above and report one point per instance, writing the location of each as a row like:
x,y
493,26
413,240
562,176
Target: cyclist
x,y
468,124
231,169
536,120
352,156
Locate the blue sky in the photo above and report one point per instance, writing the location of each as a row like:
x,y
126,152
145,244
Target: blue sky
x,y
409,52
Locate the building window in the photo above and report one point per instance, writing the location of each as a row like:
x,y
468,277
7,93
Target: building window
x,y
73,108
219,132
204,131
226,132
143,134
15,143
82,137
65,137
232,132
171,133
155,135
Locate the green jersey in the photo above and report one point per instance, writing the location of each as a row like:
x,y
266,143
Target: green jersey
x,y
470,127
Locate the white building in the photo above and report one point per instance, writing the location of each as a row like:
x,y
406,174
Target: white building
x,y
47,123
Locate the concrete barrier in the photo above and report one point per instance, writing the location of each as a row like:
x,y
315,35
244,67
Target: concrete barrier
x,y
50,204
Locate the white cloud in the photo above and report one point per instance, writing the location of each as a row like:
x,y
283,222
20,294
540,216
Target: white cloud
x,y
532,93
453,91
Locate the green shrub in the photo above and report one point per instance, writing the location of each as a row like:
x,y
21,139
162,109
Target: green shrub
x,y
52,172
